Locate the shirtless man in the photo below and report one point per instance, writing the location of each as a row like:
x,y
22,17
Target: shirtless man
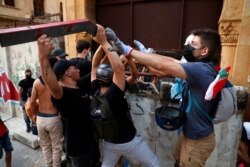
x,y
49,124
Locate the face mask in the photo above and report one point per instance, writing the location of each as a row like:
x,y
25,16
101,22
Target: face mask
x,y
28,76
188,53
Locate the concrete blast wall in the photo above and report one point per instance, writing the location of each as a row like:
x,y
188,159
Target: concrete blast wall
x,y
144,98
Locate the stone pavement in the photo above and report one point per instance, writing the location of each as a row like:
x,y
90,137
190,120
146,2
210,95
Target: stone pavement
x,y
27,152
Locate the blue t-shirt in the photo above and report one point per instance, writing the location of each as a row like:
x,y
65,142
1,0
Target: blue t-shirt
x,y
199,76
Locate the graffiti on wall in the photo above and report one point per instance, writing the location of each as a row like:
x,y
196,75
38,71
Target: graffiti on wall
x,y
14,60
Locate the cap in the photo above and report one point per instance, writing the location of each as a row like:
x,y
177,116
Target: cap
x,y
82,64
59,52
60,67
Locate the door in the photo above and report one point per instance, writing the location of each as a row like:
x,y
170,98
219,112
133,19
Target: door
x,y
159,24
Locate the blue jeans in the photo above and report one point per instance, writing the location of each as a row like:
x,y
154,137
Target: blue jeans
x,y
26,119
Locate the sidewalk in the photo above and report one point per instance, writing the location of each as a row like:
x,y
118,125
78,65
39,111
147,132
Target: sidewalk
x,y
17,131
27,152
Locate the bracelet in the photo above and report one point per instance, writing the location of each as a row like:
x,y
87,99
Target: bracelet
x,y
129,54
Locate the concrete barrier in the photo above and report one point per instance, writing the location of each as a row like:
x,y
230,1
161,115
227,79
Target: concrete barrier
x,y
144,98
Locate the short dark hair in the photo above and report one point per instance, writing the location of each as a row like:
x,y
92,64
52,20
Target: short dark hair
x,y
27,70
211,39
81,45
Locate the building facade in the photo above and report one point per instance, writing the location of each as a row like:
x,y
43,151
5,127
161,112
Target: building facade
x,y
233,26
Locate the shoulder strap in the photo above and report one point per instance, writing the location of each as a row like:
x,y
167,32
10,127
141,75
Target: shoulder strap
x,y
198,106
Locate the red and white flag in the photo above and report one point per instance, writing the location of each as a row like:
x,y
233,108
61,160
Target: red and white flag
x,y
8,91
218,84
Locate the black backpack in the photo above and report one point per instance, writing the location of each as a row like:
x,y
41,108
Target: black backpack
x,y
104,122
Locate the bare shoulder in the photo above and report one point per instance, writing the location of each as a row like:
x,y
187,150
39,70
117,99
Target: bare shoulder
x,y
38,85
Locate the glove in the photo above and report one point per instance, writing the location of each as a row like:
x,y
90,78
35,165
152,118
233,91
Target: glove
x,y
117,45
142,48
111,36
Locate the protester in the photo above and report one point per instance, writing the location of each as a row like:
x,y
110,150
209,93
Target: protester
x,y
49,122
203,54
59,54
244,147
112,83
80,143
24,85
5,143
83,49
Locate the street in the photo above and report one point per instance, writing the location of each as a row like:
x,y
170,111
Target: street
x,y
24,156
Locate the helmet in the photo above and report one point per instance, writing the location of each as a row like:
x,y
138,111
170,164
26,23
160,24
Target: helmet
x,y
169,118
104,73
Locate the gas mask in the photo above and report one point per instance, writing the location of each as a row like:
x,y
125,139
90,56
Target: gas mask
x,y
188,53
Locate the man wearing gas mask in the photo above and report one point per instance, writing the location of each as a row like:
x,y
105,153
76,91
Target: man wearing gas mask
x,y
203,53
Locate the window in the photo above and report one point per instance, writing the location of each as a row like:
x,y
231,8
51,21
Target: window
x,y
9,3
38,8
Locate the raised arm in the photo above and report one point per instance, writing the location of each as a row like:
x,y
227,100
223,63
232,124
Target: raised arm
x,y
156,72
166,65
134,73
97,58
117,66
45,46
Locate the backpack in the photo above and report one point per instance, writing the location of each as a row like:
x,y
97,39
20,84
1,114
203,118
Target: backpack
x,y
105,125
227,104
176,89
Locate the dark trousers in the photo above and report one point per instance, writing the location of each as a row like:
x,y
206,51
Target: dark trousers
x,y
26,119
91,159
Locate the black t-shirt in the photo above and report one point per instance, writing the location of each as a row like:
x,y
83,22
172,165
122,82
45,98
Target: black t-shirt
x,y
245,139
25,84
78,132
119,107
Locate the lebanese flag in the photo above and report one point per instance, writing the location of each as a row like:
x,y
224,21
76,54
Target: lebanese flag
x,y
8,91
219,83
